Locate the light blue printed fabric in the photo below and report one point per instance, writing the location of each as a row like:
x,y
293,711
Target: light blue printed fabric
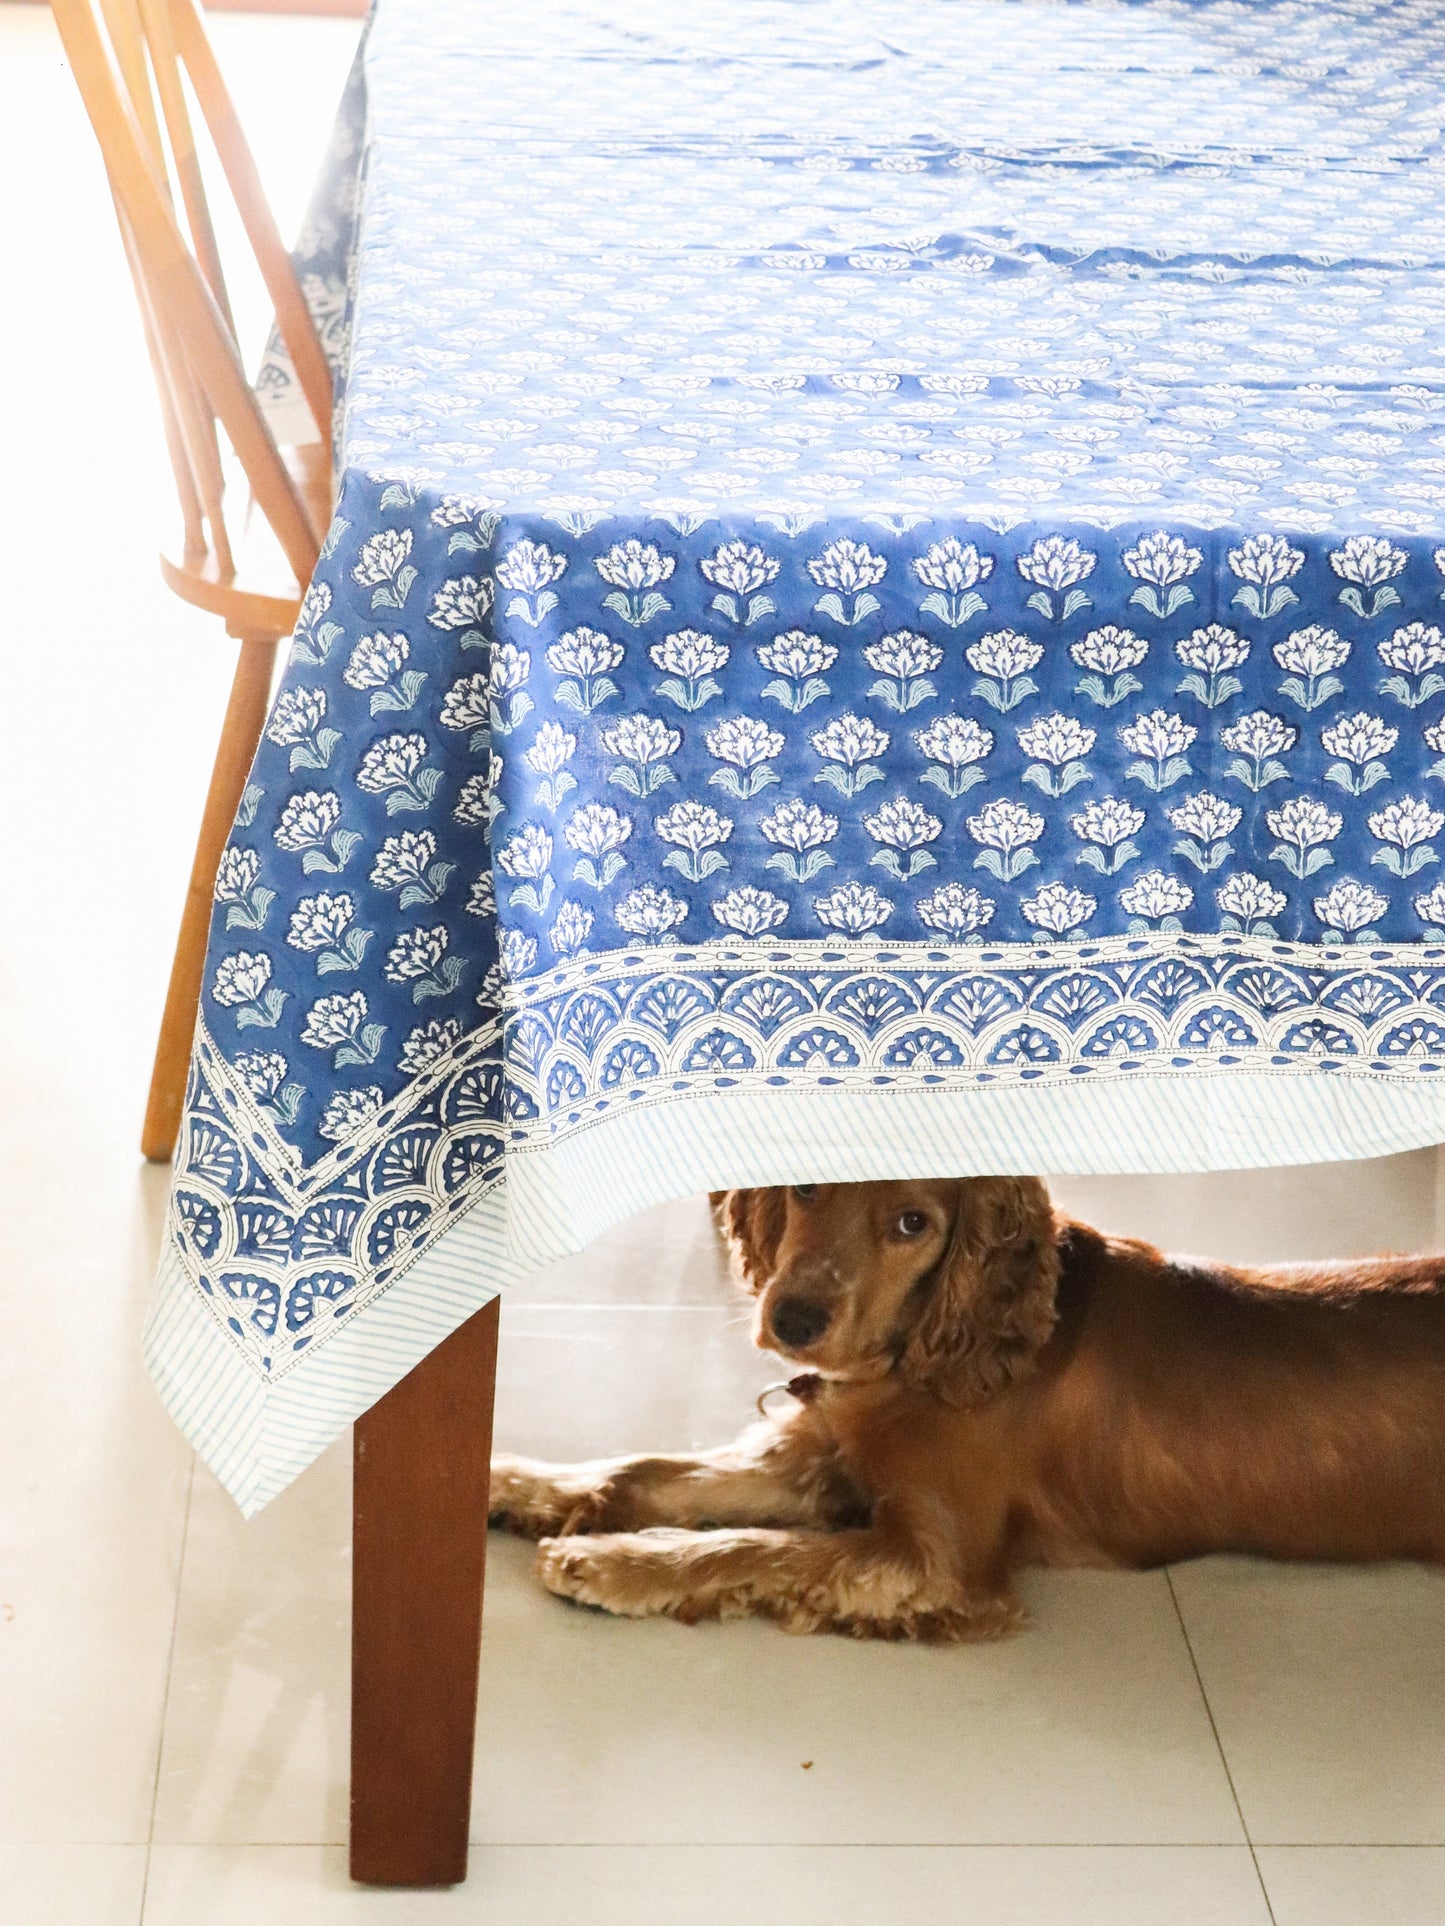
x,y
886,551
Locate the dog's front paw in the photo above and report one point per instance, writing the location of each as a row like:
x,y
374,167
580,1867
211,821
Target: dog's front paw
x,y
536,1500
623,1572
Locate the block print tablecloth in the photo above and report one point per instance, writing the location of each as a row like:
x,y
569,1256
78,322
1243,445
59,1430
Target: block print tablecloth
x,y
884,616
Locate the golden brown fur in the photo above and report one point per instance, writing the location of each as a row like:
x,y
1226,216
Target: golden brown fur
x,y
999,1386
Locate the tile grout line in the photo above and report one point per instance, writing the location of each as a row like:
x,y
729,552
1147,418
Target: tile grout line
x,y
1219,1743
166,1691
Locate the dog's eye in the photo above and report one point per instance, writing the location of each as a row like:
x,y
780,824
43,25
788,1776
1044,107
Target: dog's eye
x,y
912,1223
804,1190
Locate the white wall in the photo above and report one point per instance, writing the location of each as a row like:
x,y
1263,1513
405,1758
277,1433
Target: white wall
x,y
1314,1210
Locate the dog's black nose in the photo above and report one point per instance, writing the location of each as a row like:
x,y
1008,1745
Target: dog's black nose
x,y
799,1321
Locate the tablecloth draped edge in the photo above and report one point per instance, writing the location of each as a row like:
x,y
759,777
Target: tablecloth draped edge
x,y
258,1436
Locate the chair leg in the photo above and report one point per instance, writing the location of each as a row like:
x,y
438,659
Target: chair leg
x,y
419,1538
240,733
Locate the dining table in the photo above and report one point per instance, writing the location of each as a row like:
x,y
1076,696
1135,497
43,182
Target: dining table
x,y
883,619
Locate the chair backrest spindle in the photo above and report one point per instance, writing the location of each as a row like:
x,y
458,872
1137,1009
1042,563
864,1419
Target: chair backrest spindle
x,y
132,60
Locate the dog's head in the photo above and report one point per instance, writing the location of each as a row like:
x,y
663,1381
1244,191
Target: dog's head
x,y
951,1284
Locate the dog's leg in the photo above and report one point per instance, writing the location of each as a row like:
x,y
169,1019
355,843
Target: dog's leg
x,y
872,1583
775,1474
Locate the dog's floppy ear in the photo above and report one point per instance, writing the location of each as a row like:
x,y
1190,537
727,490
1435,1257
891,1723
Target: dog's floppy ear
x,y
991,1308
752,1222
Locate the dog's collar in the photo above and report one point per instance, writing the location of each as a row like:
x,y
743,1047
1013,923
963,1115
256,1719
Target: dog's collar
x,y
805,1387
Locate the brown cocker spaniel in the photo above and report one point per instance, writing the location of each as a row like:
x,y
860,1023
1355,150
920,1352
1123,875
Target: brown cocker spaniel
x,y
987,1385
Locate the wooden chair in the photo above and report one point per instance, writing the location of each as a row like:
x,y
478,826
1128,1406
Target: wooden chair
x,y
132,60
422,1453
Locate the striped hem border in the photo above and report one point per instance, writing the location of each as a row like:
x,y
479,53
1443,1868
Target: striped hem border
x,y
257,1437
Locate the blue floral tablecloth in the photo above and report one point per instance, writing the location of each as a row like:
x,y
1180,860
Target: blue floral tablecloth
x,y
884,616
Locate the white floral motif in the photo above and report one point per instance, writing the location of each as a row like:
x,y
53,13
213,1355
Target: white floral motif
x,y
903,662
1002,661
954,745
408,863
1057,908
314,637
338,1023
799,830
748,746
383,566
1265,564
296,722
598,833
239,887
688,661
1111,824
1113,652
467,705
378,662
1368,562
1415,652
428,1043
846,744
650,912
1309,658
1430,907
1248,902
905,829
1211,653
508,702
310,828
696,830
1005,829
264,1074
419,957
393,768
482,896
349,1111
527,857
1056,745
322,925
853,908
464,603
1353,908
1161,564
553,747
516,952
1056,563
585,659
456,511
956,911
1303,826
1203,821
1360,742
643,743
635,571
952,571
529,570
749,911
571,929
1406,827
475,801
797,661
1257,741
1155,900
1158,741
738,570
241,984
847,569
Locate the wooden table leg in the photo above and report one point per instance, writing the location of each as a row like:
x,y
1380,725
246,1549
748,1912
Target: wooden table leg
x,y
419,1536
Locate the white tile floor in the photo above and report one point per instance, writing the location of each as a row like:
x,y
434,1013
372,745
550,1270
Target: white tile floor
x,y
1224,1743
